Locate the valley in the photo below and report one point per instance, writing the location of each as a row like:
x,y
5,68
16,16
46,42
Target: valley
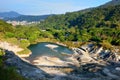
x,y
79,45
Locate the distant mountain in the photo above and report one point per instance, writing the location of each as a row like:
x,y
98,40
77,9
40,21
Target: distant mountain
x,y
14,16
28,18
111,3
10,14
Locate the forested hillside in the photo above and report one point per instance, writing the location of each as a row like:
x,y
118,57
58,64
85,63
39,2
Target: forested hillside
x,y
98,24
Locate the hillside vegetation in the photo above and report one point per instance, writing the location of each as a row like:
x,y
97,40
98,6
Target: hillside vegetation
x,y
98,24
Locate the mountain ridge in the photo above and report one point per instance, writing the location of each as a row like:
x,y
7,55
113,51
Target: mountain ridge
x,y
28,18
111,3
10,14
15,16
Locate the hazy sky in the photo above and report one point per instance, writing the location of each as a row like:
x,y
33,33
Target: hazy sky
x,y
39,7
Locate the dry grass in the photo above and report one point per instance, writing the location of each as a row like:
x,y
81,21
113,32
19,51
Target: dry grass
x,y
66,70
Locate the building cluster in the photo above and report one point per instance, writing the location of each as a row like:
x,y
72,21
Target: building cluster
x,y
14,23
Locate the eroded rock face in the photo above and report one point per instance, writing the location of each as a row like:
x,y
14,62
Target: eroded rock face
x,y
97,63
112,71
95,71
23,68
91,53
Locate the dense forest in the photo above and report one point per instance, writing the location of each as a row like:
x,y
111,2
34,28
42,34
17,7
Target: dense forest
x,y
97,24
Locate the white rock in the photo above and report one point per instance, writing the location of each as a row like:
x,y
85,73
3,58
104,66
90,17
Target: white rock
x,y
117,68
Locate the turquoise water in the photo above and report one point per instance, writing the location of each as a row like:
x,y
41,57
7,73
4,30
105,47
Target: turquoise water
x,y
41,49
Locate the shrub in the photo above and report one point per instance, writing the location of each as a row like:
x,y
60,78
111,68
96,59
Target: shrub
x,y
106,44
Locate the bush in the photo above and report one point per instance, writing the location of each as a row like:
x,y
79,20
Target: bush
x,y
106,44
116,42
9,34
9,74
1,52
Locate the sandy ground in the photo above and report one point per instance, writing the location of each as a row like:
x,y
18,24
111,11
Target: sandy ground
x,y
49,61
47,64
10,47
13,48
